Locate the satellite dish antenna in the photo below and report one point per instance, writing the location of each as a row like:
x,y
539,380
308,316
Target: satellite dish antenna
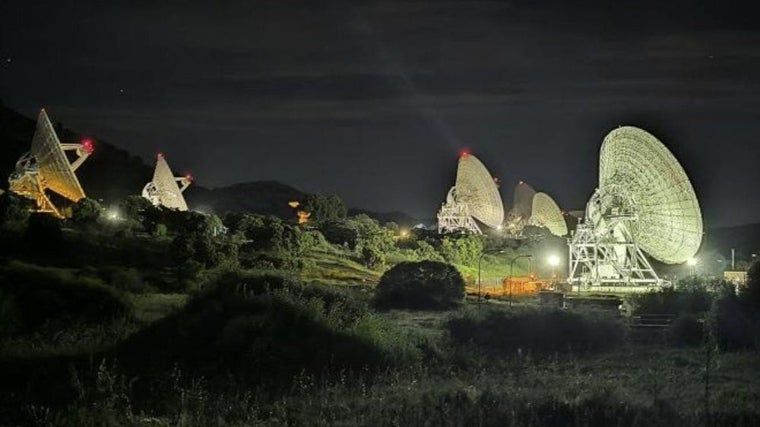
x,y
475,196
46,167
546,214
165,189
644,203
518,216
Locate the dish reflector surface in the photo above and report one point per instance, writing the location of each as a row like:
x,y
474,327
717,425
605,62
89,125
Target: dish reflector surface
x,y
476,188
55,168
645,179
547,214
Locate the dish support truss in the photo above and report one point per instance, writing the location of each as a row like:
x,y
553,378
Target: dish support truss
x,y
166,198
608,257
27,181
455,216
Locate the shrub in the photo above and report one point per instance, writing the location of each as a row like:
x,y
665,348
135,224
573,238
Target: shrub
x,y
14,209
735,324
541,332
685,331
669,301
34,297
372,257
462,249
426,285
43,231
85,211
263,329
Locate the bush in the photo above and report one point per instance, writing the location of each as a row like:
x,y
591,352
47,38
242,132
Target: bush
x,y
735,324
669,301
685,331
43,232
372,257
85,211
425,285
32,297
539,332
264,329
462,249
14,209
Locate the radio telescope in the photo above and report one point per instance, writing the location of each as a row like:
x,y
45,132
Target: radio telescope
x,y
546,214
518,216
475,196
644,203
46,167
165,189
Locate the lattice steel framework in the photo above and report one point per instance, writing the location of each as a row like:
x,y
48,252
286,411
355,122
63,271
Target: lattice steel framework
x,y
644,203
165,189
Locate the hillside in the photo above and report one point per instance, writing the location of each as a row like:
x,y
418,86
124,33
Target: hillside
x,y
112,173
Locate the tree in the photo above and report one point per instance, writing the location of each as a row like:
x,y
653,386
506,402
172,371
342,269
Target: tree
x,y
463,249
43,231
751,293
85,211
14,209
324,206
426,285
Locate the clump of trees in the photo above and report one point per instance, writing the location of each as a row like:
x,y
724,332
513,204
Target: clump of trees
x,y
324,207
14,210
424,285
736,318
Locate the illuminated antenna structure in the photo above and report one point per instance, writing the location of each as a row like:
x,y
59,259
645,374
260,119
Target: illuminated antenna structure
x,y
644,204
545,213
46,167
474,196
518,216
165,189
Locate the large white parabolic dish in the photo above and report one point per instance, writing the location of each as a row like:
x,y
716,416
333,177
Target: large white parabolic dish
x,y
641,176
55,169
475,187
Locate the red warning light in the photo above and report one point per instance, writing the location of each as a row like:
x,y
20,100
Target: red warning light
x,y
464,153
521,182
189,177
87,145
160,155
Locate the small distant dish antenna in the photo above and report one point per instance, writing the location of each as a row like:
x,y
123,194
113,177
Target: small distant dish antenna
x,y
46,167
473,198
165,189
644,204
522,207
545,213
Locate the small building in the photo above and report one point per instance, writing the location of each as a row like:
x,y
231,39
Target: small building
x,y
735,277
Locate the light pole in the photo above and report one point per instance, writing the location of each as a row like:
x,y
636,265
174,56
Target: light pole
x,y
511,265
554,262
480,258
692,262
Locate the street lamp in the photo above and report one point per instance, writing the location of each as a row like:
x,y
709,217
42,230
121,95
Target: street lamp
x,y
692,263
554,262
480,258
511,265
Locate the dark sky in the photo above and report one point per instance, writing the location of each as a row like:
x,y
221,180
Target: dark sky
x,y
374,100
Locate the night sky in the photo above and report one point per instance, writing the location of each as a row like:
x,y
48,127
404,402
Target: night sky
x,y
374,100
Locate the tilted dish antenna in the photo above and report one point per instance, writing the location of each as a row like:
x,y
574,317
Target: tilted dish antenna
x,y
475,196
644,202
46,167
517,217
165,189
546,213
